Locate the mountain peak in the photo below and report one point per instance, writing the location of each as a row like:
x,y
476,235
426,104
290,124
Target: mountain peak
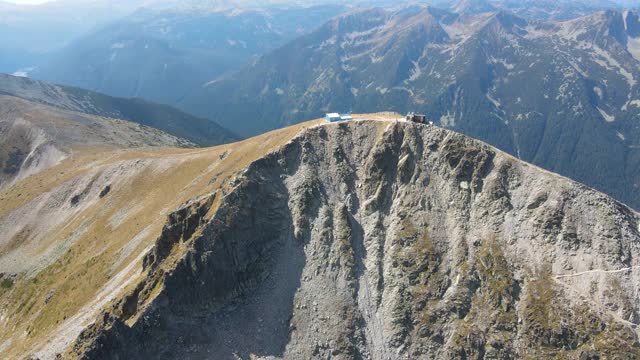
x,y
502,22
601,27
290,224
473,7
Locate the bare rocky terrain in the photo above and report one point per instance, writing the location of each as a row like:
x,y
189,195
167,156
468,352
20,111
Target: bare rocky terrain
x,y
383,240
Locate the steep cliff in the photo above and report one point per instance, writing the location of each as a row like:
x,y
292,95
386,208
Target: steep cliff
x,y
383,240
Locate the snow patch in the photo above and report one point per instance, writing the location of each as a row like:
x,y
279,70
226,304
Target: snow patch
x,y
448,120
607,117
598,91
416,72
329,42
503,62
495,102
633,46
635,103
376,59
24,72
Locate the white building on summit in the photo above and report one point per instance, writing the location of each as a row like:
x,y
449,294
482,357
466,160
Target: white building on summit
x,y
334,117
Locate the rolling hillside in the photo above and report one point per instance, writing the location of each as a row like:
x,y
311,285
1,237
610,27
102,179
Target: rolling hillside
x,y
197,130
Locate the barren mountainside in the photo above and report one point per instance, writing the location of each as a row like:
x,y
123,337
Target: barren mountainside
x,y
371,239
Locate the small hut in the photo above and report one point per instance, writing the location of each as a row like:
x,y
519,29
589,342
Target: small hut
x,y
417,118
334,117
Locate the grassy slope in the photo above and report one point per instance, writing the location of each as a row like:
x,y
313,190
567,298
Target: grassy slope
x,y
35,136
103,258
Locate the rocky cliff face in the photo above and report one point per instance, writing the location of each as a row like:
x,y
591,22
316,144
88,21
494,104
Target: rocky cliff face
x,y
382,240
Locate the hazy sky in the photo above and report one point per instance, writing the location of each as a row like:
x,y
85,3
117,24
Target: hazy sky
x,y
27,1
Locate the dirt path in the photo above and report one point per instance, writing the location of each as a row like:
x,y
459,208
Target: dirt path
x,y
598,271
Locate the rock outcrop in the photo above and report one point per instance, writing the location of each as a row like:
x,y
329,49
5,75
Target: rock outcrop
x,y
383,240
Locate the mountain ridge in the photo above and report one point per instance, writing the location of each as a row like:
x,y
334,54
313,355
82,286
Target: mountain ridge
x,y
333,239
362,338
36,137
197,130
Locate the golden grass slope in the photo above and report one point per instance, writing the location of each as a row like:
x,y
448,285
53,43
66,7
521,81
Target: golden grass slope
x,y
72,236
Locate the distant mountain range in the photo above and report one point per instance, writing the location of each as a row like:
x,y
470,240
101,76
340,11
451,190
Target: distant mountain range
x,y
163,54
168,49
563,95
539,9
30,33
